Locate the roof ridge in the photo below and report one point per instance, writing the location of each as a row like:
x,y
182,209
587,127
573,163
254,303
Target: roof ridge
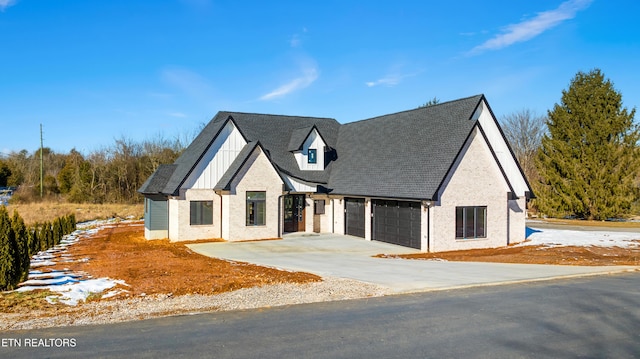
x,y
274,115
414,109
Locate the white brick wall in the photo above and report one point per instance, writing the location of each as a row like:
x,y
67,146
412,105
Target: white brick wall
x,y
257,174
180,228
476,181
517,217
326,219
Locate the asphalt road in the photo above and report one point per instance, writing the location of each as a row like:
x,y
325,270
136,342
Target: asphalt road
x,y
597,317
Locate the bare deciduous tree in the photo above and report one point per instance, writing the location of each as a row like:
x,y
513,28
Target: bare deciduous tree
x,y
524,130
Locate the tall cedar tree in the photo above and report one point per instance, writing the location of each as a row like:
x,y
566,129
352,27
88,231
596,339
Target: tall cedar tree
x,y
7,251
23,259
589,159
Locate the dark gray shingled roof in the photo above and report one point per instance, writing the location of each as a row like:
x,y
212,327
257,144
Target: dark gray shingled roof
x,y
157,182
243,156
402,155
298,136
225,181
274,133
184,164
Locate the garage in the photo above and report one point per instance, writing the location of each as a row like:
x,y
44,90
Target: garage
x,y
396,222
354,217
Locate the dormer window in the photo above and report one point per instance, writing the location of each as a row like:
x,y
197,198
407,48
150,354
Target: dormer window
x,y
312,156
307,145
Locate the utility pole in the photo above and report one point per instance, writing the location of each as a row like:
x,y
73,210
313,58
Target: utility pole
x,y
41,163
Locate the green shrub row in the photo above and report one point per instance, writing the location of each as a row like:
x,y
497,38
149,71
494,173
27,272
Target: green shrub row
x,y
19,242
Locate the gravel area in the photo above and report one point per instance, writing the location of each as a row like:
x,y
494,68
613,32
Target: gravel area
x,y
144,307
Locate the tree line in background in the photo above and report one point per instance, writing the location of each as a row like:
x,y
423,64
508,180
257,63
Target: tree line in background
x,y
109,175
18,243
583,158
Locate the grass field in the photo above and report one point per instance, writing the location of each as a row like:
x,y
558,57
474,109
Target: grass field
x,y
48,211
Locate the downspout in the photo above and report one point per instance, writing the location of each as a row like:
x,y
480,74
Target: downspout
x,y
333,215
168,216
508,221
428,228
280,219
221,221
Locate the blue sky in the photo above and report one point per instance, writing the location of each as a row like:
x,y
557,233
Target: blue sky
x,y
95,71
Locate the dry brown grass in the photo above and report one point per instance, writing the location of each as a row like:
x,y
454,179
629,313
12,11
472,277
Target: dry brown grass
x,y
586,223
47,211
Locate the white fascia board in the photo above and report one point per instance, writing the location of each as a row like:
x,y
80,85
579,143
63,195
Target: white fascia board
x,y
501,149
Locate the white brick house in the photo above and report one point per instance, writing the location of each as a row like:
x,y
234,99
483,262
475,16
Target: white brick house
x,y
435,178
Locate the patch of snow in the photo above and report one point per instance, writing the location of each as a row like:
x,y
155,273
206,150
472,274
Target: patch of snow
x,y
36,264
564,238
52,274
51,281
72,293
68,286
113,293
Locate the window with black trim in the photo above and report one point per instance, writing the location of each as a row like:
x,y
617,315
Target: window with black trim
x,y
312,155
256,208
201,213
471,222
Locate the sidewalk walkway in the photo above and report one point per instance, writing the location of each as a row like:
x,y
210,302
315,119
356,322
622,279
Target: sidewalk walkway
x,y
351,257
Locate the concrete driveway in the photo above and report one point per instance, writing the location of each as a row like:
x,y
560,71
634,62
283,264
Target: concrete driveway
x,y
351,257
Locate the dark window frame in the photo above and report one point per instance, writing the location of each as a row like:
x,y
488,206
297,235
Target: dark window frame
x,y
312,159
471,222
200,213
256,211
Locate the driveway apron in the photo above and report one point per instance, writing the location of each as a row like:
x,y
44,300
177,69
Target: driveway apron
x,y
353,258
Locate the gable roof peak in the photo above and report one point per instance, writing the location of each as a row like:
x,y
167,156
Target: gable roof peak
x,y
474,98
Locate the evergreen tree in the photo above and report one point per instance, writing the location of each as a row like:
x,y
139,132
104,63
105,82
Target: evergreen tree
x,y
589,159
34,240
56,227
7,252
23,259
72,222
44,236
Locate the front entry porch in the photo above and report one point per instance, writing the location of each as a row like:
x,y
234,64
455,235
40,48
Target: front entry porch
x,y
294,213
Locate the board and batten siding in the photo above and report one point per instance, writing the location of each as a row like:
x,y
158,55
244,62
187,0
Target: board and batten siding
x,y
217,159
313,141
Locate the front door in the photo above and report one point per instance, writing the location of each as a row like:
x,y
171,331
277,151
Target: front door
x,y
294,207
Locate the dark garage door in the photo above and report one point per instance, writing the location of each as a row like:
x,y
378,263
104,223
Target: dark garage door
x,y
397,222
354,217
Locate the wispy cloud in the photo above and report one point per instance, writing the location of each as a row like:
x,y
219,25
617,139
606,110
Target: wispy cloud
x,y
391,79
296,39
6,3
177,114
528,29
186,80
308,76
